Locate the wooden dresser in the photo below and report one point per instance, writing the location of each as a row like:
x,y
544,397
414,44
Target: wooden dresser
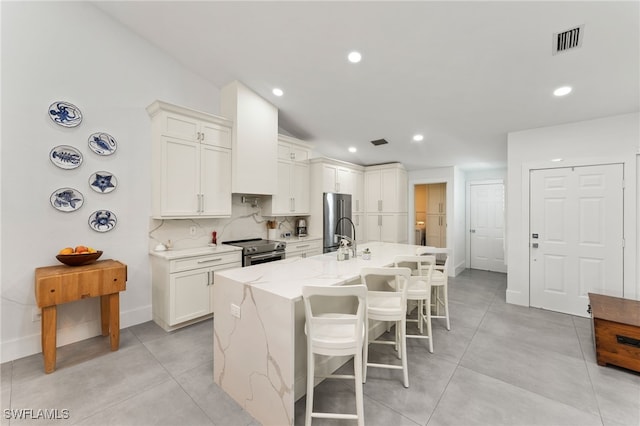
x,y
616,329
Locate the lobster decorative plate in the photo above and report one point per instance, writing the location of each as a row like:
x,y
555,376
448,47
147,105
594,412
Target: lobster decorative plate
x,y
102,143
65,157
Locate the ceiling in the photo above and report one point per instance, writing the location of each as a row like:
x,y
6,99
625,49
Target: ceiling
x,y
463,74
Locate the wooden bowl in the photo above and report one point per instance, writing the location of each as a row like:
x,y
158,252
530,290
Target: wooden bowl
x,y
79,259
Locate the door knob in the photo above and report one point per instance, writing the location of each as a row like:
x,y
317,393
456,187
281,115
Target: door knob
x,y
534,245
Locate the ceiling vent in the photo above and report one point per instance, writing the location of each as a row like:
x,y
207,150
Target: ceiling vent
x,y
379,142
568,40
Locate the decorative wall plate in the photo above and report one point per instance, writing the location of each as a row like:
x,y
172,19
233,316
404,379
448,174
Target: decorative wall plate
x,y
102,220
103,182
65,114
65,157
67,199
102,143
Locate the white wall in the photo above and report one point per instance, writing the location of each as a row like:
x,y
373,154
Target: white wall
x,y
611,139
71,51
455,181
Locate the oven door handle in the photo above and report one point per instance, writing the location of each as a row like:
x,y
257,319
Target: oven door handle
x,y
262,256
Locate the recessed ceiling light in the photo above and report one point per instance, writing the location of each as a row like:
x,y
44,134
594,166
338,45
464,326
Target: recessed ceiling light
x,y
354,57
557,160
277,92
418,137
352,149
562,91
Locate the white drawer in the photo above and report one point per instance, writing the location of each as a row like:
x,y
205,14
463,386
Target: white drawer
x,y
303,246
205,261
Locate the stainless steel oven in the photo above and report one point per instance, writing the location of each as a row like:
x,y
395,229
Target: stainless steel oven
x,y
257,250
255,259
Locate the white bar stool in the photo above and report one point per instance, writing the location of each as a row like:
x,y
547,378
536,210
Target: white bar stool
x,y
439,282
333,329
386,303
419,290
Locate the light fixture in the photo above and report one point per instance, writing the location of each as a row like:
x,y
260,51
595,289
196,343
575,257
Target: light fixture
x,y
352,149
277,92
557,160
418,137
562,91
354,57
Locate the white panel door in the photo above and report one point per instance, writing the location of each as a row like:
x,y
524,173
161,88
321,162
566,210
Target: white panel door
x,y
576,236
487,227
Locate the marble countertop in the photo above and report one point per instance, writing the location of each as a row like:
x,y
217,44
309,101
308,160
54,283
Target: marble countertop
x,y
286,278
196,251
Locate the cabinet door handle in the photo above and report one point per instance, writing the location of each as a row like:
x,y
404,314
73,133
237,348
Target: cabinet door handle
x,y
209,260
337,186
379,220
357,220
202,203
292,156
379,205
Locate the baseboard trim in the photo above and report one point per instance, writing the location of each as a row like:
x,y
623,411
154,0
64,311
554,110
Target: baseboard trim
x,y
30,345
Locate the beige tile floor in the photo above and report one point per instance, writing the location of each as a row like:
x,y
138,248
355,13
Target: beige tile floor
x,y
499,365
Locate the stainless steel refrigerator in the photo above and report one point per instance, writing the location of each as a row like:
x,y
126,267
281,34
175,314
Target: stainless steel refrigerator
x,y
336,206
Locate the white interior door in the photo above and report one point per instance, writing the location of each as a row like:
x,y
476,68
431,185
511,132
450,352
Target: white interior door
x,y
576,236
487,227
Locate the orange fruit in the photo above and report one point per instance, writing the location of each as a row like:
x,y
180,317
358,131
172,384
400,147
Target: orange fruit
x,y
66,250
82,249
91,250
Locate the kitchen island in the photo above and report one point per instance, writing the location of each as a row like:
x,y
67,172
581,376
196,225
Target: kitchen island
x,y
259,344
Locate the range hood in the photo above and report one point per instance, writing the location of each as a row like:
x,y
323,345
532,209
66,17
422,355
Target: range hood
x,y
254,141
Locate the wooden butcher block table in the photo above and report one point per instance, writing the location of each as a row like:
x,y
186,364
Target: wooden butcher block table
x,y
61,284
616,328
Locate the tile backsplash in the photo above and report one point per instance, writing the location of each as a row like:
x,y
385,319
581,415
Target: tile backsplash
x,y
246,221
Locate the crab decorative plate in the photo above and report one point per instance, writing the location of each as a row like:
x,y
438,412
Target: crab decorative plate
x,y
102,143
67,199
103,182
65,114
102,220
65,157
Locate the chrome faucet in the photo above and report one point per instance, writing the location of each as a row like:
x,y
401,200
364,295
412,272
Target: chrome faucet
x,y
352,241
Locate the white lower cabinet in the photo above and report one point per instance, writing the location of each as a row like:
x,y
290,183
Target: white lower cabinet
x,y
182,290
305,248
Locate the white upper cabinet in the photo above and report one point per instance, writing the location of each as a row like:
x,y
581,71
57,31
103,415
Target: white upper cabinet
x,y
292,195
337,179
386,188
191,163
254,140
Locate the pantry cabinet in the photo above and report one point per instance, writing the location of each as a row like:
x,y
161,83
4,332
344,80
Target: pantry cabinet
x,y
387,227
191,163
386,188
182,288
386,203
292,195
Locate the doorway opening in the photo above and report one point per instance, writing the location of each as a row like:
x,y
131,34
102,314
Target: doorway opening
x,y
430,204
